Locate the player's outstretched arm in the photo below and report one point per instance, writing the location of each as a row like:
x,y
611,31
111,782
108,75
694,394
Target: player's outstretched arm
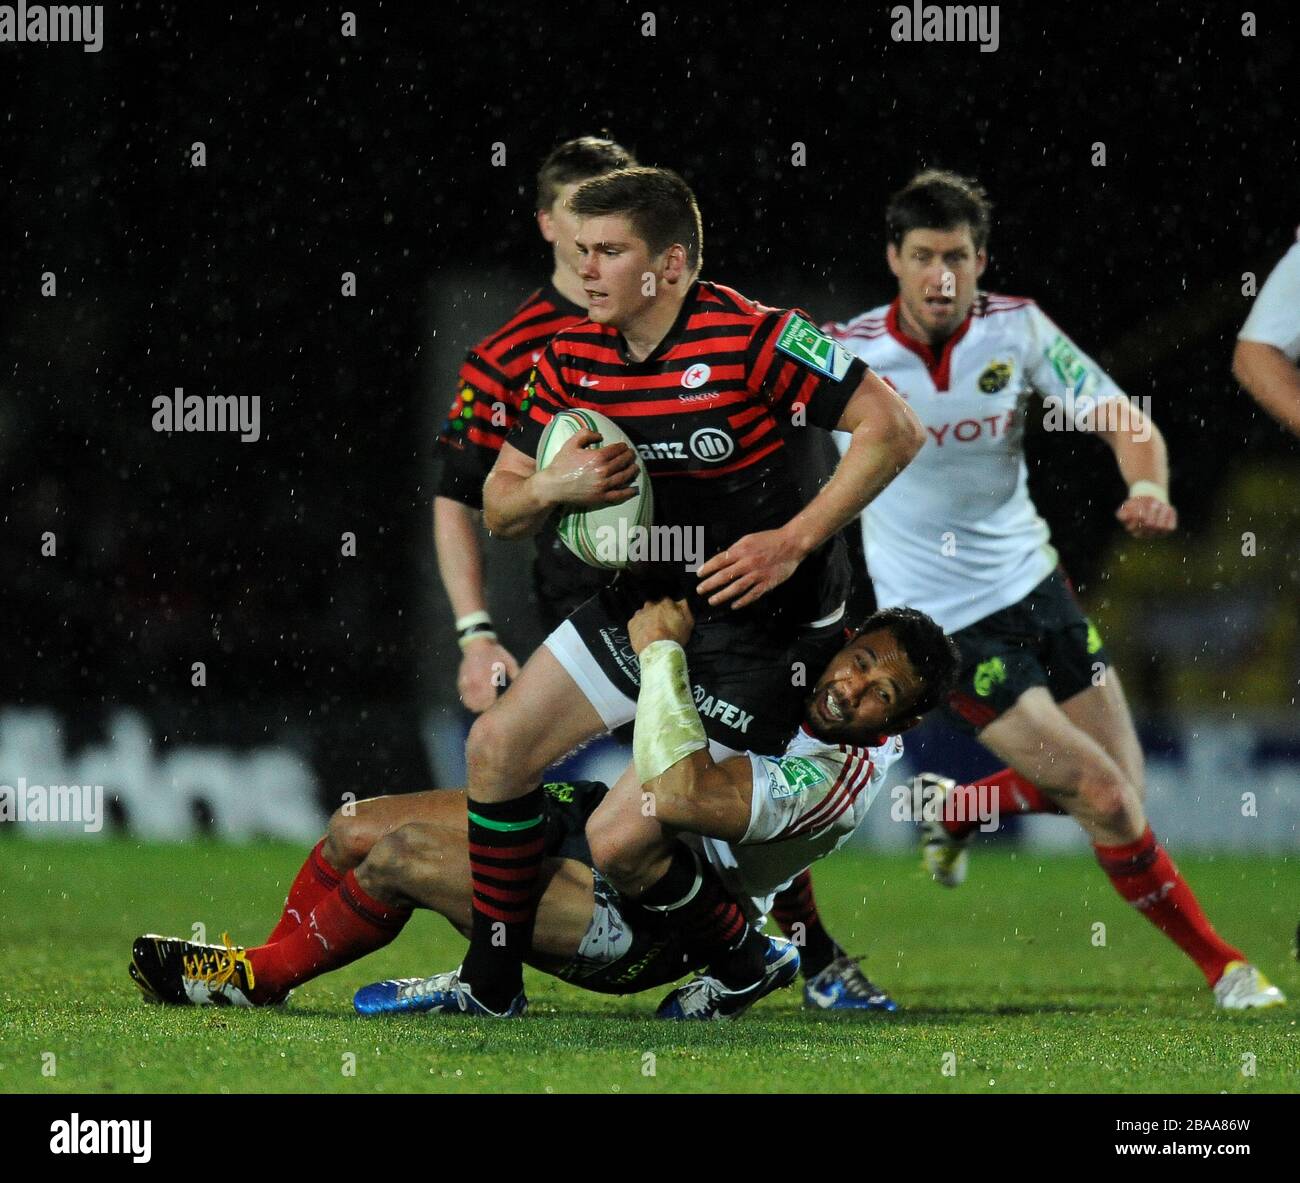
x,y
886,435
1270,378
460,564
1143,462
687,789
518,497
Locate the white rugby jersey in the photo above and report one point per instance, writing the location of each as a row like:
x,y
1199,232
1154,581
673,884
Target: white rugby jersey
x,y
955,533
1275,316
805,804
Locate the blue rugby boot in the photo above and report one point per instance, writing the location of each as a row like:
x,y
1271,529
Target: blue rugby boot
x,y
843,986
441,994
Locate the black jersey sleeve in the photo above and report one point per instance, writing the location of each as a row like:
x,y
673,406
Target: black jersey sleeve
x,y
463,467
476,425
791,363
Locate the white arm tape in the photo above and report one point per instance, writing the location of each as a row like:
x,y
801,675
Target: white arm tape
x,y
1148,489
668,727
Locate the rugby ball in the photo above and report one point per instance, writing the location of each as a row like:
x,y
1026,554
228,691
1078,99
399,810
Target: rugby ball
x,y
600,537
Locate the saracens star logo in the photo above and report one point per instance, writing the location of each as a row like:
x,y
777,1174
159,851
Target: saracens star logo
x,y
696,376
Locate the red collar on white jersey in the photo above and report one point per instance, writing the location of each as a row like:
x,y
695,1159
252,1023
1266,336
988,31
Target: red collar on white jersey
x,y
940,367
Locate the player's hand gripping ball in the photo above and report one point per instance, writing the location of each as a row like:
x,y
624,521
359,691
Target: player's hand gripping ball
x,y
599,474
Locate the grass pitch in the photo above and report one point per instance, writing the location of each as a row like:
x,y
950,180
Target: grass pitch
x,y
1000,981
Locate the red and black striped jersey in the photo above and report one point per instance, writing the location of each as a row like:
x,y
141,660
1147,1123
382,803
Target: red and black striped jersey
x,y
713,411
489,388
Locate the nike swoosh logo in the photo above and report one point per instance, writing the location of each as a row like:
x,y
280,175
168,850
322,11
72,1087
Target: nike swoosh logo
x,y
585,381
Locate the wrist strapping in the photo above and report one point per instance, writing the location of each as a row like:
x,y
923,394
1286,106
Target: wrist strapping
x,y
668,727
474,626
1149,489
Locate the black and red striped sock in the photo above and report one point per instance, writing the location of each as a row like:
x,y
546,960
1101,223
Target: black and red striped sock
x,y
795,912
314,881
712,926
506,844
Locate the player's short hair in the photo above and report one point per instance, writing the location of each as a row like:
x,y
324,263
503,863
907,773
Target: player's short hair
x,y
937,199
930,652
658,203
578,160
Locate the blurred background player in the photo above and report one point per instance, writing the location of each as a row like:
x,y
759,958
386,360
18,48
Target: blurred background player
x,y
490,386
957,536
1268,345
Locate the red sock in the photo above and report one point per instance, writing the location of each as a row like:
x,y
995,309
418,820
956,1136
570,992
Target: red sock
x,y
314,881
1145,875
1011,794
345,925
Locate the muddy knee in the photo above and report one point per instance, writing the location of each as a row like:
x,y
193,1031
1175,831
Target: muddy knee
x,y
348,838
1109,799
488,750
406,853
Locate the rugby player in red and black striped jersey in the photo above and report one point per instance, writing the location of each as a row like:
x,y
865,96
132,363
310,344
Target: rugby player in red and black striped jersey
x,y
491,383
491,386
709,386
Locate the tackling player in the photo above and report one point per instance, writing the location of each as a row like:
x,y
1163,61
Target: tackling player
x,y
491,383
751,822
1268,345
957,536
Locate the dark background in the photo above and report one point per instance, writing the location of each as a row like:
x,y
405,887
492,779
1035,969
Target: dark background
x,y
373,154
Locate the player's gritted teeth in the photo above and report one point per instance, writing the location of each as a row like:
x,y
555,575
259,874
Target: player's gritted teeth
x,y
866,686
833,711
